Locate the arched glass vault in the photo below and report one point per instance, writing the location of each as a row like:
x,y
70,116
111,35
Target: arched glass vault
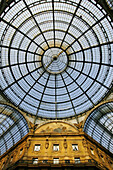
x,y
110,3
13,127
99,125
56,56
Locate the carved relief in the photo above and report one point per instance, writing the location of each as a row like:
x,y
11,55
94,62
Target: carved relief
x,y
79,126
65,144
60,129
28,143
84,142
47,144
4,162
32,127
56,127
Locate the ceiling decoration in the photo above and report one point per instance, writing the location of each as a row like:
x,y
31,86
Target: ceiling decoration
x,y
56,56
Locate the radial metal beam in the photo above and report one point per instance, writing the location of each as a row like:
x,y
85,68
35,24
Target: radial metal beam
x,y
91,62
20,32
84,92
71,22
56,96
21,78
19,49
90,77
32,87
17,64
53,21
69,98
35,21
41,99
95,46
86,31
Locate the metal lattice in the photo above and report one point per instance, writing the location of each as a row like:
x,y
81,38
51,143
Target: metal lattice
x,y
13,127
99,125
110,3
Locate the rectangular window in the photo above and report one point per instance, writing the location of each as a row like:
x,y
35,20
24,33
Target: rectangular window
x,y
21,150
11,158
56,161
37,148
111,164
35,160
102,158
56,147
77,160
67,161
3,164
92,151
45,161
75,147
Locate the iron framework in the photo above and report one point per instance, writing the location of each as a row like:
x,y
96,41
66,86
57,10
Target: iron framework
x,y
99,125
13,127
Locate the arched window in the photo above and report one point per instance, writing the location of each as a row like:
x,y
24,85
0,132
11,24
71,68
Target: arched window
x,y
99,125
13,127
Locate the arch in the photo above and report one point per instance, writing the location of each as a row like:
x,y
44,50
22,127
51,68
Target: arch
x,y
13,127
99,125
56,127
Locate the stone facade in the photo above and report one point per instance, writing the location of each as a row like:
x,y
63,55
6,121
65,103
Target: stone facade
x,y
75,149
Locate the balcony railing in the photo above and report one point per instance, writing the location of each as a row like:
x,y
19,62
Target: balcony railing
x,y
61,163
50,163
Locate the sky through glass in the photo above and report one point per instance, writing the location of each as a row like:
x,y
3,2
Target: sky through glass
x,y
99,125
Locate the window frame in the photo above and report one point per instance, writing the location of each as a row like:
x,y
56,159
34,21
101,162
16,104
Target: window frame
x,y
38,149
75,147
77,160
55,147
55,160
35,160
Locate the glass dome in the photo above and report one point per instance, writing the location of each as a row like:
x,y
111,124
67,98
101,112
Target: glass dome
x,y
56,56
99,125
13,127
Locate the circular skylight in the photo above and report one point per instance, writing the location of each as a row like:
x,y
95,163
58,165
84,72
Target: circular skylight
x,y
54,60
56,56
